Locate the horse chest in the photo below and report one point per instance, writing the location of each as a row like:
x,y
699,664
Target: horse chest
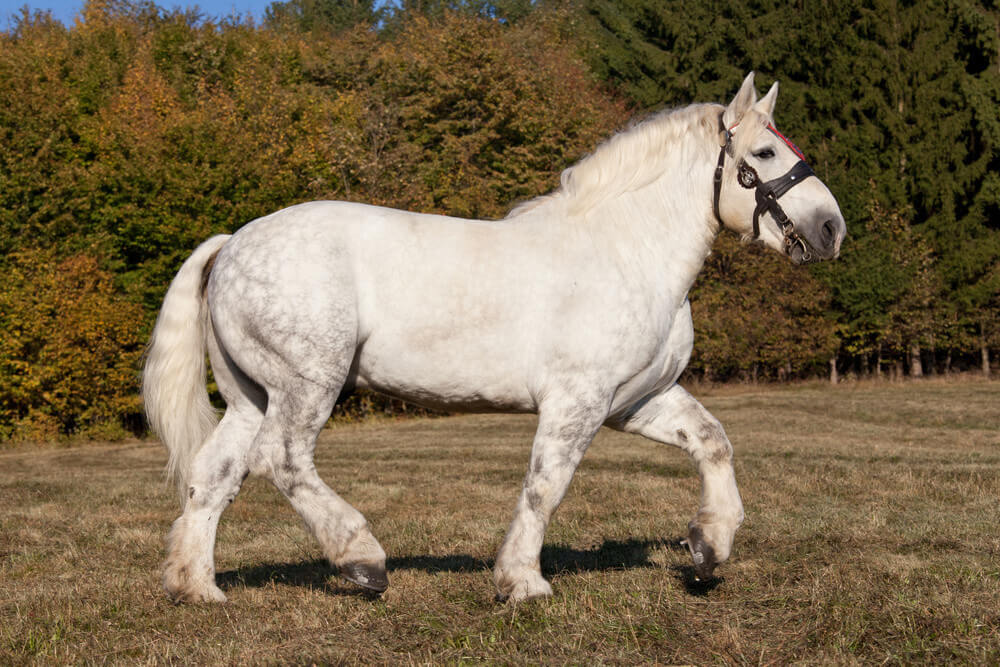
x,y
664,363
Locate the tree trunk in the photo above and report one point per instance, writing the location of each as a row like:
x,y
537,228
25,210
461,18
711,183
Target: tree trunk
x,y
984,350
916,368
947,363
833,369
878,364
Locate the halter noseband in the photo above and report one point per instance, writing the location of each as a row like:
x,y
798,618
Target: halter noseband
x,y
766,193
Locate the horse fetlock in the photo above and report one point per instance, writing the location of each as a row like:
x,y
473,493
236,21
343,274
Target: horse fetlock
x,y
188,573
361,547
521,584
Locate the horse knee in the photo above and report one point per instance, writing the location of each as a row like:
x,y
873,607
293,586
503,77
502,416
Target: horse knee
x,y
715,446
719,452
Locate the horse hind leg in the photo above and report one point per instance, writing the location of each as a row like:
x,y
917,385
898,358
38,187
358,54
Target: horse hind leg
x,y
284,453
216,475
298,349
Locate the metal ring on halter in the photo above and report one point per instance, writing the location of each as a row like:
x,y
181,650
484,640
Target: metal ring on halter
x,y
791,239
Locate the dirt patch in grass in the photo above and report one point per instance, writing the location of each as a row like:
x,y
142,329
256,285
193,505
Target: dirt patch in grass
x,y
871,536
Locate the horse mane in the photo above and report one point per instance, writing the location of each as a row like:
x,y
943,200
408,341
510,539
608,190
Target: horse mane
x,y
628,160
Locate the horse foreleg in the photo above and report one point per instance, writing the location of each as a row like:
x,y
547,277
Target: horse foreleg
x,y
216,474
565,430
674,417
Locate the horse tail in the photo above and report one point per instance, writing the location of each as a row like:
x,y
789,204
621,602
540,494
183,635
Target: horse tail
x,y
174,374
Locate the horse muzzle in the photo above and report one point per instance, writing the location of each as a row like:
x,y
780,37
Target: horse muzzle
x,y
818,241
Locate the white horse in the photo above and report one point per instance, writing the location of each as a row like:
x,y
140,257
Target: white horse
x,y
573,307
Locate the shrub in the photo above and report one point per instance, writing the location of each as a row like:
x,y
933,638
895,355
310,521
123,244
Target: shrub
x,y
69,349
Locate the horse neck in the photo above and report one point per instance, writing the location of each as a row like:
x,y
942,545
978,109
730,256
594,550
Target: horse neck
x,y
664,230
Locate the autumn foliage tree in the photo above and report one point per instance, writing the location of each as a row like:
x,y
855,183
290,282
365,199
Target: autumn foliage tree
x,y
69,348
758,317
136,133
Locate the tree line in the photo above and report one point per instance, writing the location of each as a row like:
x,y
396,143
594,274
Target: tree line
x,y
137,132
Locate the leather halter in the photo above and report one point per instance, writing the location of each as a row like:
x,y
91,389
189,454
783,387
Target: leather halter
x,y
766,193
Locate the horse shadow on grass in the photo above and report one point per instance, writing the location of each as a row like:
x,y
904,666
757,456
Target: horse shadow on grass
x,y
611,555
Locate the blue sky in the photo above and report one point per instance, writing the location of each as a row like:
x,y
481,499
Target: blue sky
x,y
65,10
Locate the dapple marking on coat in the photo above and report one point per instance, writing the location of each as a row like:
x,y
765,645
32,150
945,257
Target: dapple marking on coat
x,y
573,307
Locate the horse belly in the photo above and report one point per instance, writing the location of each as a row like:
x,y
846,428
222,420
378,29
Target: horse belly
x,y
456,369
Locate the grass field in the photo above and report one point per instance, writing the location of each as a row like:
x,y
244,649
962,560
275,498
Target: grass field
x,y
871,536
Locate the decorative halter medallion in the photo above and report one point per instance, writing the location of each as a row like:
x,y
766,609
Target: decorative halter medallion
x,y
766,193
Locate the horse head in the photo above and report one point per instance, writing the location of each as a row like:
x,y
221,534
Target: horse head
x,y
764,189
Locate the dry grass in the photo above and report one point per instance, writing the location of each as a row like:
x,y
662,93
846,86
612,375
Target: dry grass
x,y
871,537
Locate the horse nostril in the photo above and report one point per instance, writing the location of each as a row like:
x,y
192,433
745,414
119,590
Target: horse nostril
x,y
829,233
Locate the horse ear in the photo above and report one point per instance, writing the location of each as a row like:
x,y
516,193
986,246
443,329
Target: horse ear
x,y
744,100
766,104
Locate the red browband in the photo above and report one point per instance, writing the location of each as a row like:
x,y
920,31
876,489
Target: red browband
x,y
788,142
795,149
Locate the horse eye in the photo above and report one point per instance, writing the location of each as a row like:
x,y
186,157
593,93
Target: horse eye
x,y
764,154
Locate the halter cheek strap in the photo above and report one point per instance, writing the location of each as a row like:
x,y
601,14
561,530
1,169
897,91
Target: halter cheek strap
x,y
766,193
725,139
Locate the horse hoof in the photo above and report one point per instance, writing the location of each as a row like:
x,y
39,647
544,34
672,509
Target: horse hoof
x,y
213,594
209,594
529,586
702,554
372,577
180,587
